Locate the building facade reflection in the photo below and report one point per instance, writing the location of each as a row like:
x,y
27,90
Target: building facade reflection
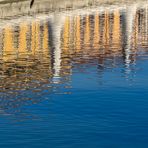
x,y
31,59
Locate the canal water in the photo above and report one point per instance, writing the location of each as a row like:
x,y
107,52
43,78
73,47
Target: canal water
x,y
75,79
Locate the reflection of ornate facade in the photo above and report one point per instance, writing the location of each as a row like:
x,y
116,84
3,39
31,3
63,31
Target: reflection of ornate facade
x,y
103,33
85,34
30,60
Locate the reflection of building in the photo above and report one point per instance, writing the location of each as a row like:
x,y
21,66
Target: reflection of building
x,y
95,35
34,54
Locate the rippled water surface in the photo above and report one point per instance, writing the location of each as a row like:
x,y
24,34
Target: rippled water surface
x,y
75,79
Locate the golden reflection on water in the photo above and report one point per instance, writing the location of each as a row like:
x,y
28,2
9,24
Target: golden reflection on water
x,y
87,34
96,32
77,37
27,50
116,35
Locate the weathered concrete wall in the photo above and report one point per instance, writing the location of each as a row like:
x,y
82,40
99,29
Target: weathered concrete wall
x,y
13,8
10,8
69,1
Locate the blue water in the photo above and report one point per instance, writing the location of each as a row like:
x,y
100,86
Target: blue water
x,y
92,104
110,111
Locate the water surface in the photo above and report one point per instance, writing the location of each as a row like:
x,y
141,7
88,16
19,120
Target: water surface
x,y
75,79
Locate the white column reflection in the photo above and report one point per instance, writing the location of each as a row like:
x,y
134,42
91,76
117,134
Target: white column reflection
x,y
58,22
130,17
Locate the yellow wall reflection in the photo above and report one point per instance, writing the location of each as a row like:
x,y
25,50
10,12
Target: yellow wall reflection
x,y
96,32
87,32
77,21
23,37
116,37
90,36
